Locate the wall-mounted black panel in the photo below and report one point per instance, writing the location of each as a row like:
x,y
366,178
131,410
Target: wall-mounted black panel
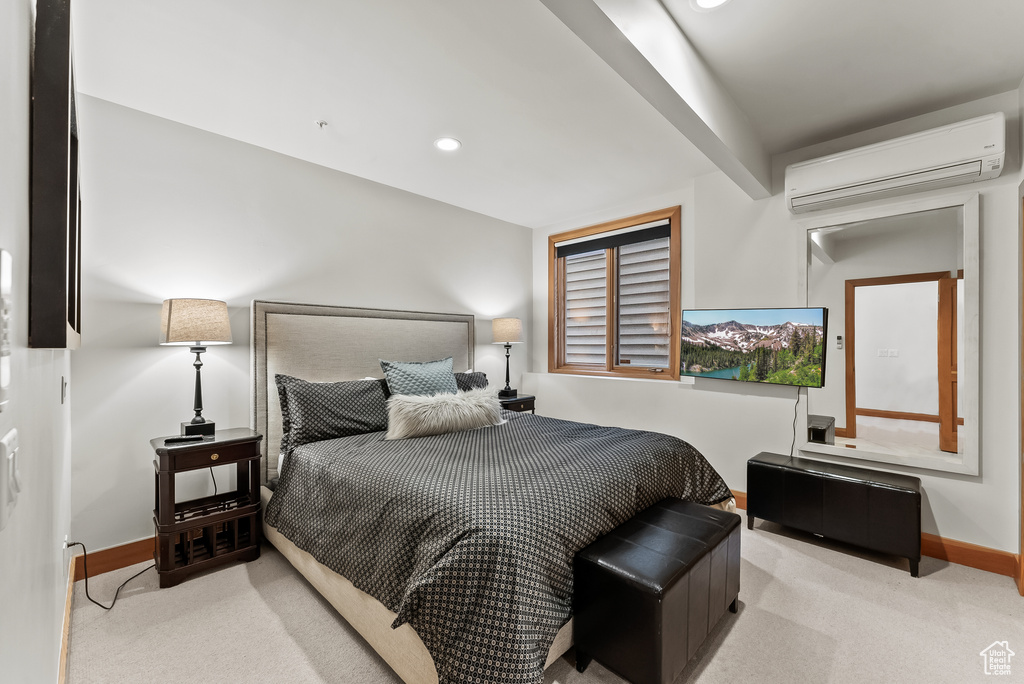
x,y
55,224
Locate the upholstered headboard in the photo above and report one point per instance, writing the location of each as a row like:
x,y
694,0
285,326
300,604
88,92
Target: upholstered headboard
x,y
329,343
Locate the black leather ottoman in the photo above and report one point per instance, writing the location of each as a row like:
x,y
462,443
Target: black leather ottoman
x,y
877,510
647,594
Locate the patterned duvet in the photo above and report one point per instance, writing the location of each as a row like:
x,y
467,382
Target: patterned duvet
x,y
470,536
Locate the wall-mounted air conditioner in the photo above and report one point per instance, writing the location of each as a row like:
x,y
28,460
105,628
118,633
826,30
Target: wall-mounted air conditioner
x,y
964,152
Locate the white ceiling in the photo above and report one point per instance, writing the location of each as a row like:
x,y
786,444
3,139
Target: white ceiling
x,y
807,71
550,132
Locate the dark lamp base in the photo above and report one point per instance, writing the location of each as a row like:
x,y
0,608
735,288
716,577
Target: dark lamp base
x,y
508,393
207,429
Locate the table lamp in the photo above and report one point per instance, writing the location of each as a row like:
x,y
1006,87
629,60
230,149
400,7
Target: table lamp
x,y
197,323
507,331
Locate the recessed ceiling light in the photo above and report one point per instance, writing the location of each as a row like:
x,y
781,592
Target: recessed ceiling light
x,y
706,5
447,144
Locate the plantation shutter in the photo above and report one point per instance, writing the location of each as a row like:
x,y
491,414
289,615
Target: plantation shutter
x,y
617,282
586,312
644,304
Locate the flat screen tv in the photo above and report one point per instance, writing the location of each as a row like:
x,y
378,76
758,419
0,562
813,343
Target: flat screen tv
x,y
773,346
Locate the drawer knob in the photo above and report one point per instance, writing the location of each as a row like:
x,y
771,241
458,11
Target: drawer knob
x,y
214,457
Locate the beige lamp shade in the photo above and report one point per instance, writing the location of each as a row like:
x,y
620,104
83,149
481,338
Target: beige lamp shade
x,y
507,330
196,322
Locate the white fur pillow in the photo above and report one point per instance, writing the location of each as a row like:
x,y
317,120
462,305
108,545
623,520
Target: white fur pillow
x,y
419,416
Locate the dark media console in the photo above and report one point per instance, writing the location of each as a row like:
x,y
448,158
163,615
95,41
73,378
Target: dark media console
x,y
876,510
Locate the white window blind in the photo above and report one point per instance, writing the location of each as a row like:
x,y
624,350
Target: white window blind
x,y
585,308
644,304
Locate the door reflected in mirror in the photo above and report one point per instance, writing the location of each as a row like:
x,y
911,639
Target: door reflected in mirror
x,y
903,341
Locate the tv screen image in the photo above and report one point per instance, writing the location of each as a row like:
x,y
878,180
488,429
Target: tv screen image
x,y
772,346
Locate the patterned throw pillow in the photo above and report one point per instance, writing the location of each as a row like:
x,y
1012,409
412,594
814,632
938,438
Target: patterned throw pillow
x,y
468,381
426,378
419,416
312,411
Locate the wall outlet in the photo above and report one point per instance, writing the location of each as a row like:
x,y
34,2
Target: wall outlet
x,y
67,554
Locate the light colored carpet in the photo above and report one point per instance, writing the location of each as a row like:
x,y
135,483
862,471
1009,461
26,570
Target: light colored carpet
x,y
810,611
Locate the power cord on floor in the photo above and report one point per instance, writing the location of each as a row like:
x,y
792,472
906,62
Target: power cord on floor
x,y
85,569
793,443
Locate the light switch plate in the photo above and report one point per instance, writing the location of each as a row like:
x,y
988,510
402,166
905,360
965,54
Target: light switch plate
x,y
6,283
10,478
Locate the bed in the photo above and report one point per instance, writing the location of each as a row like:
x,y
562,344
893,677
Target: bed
x,y
476,586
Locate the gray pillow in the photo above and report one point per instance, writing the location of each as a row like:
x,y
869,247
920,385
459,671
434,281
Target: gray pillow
x,y
313,411
468,381
420,416
420,379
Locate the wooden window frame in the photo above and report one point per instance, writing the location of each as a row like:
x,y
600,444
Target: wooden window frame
x,y
556,313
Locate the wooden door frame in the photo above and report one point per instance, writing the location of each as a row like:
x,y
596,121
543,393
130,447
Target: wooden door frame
x,y
947,364
850,431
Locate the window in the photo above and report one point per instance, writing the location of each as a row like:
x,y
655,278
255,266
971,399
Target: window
x,y
613,298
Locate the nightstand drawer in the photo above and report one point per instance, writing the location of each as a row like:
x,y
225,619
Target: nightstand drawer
x,y
523,403
214,455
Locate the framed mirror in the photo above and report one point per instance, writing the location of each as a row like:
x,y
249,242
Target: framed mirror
x,y
901,284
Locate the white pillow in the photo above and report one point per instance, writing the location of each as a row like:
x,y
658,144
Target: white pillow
x,y
419,416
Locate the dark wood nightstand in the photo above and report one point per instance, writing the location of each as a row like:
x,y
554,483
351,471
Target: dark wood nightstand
x,y
203,533
524,402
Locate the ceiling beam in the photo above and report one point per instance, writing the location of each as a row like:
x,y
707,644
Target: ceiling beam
x,y
645,46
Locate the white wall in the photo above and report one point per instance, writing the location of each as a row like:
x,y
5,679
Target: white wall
x,y
743,253
31,558
900,317
172,211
